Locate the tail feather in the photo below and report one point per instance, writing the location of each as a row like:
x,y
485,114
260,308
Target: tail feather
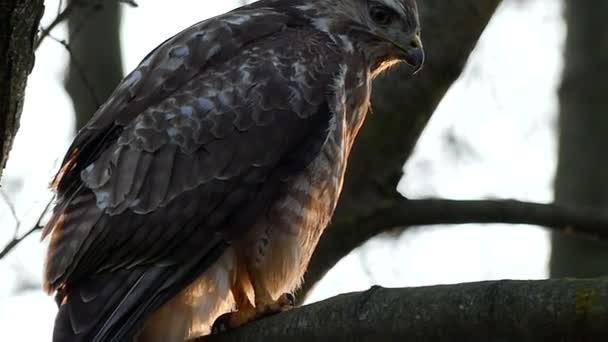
x,y
88,306
115,305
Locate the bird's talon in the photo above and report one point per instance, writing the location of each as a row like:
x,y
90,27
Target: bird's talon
x,y
287,301
233,320
221,324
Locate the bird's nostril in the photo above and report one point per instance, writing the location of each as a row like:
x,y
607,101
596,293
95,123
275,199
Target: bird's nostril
x,y
414,44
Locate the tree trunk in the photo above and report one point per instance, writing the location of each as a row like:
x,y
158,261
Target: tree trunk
x,y
96,60
583,135
402,106
19,21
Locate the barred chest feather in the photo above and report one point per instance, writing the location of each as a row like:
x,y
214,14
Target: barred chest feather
x,y
286,238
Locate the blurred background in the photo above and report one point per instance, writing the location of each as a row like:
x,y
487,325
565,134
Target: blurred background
x,y
494,135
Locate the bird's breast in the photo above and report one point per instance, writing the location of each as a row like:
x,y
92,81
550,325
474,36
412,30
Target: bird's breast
x,y
282,242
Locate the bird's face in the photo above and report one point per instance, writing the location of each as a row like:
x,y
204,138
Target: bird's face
x,y
390,32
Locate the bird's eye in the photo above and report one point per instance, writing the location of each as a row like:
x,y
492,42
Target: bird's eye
x,y
381,15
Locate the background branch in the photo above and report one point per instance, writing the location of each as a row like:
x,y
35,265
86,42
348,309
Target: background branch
x,y
61,16
16,238
507,310
581,135
587,222
95,55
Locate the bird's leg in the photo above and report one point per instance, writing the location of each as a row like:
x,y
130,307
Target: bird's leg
x,y
266,305
245,312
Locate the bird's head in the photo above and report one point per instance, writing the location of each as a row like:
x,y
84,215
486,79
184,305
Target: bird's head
x,y
387,31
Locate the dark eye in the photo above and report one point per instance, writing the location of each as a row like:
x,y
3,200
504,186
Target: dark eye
x,y
381,15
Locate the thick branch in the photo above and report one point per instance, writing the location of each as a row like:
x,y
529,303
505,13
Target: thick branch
x,y
555,310
19,20
402,106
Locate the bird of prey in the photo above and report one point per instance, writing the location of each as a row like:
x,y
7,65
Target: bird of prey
x,y
202,185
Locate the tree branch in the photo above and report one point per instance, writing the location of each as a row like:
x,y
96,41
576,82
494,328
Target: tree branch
x,y
506,310
587,222
16,238
61,16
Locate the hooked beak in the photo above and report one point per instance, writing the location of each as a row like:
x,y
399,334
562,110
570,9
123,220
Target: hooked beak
x,y
413,53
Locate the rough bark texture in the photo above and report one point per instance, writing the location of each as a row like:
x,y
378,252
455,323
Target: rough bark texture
x,y
95,65
401,108
19,20
507,310
583,124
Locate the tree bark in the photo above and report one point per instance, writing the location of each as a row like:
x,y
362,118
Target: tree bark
x,y
583,124
402,106
95,66
19,21
506,310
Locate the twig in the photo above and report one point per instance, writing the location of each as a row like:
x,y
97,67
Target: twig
x,y
63,15
59,7
11,208
17,239
79,69
129,2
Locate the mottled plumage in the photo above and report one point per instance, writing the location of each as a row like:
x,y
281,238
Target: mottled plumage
x,y
208,176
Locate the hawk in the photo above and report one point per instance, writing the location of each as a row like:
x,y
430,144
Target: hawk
x,y
202,185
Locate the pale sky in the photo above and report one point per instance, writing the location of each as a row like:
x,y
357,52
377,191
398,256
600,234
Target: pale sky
x,y
503,108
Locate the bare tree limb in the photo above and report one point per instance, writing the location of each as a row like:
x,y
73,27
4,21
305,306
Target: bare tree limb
x,y
61,16
17,239
401,108
78,69
506,310
11,208
586,222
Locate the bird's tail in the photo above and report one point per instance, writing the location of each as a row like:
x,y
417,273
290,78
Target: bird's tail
x,y
106,307
114,306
